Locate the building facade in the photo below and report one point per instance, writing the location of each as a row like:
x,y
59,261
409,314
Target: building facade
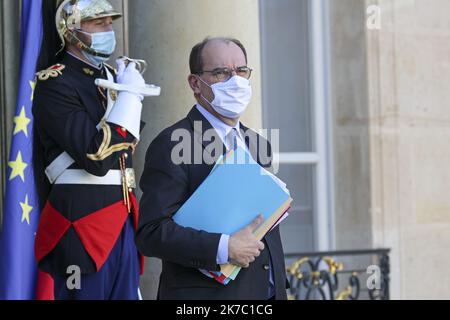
x,y
357,89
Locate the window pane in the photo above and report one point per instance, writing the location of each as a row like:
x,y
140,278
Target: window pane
x,y
286,97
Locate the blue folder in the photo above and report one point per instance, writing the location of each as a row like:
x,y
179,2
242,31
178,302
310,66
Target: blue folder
x,y
235,193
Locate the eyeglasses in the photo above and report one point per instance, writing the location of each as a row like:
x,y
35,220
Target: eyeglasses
x,y
225,74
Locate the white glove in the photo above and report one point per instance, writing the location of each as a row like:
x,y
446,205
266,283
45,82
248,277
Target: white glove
x,y
130,81
129,75
127,109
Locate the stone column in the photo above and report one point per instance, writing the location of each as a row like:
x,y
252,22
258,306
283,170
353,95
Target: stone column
x,y
163,33
120,27
348,53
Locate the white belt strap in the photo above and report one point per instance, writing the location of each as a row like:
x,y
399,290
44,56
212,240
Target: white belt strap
x,y
58,166
81,177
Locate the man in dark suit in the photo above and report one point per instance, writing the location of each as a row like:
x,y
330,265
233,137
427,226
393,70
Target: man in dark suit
x,y
220,82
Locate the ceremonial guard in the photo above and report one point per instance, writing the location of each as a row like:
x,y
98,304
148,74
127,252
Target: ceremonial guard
x,y
85,137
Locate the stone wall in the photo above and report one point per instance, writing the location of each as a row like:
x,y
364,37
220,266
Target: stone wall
x,y
409,77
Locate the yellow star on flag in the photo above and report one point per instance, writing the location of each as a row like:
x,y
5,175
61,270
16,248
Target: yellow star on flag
x,y
33,86
21,123
18,167
26,209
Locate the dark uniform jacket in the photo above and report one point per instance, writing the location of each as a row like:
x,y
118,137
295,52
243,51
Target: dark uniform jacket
x,y
80,223
166,187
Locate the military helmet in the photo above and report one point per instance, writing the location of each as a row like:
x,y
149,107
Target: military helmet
x,y
70,14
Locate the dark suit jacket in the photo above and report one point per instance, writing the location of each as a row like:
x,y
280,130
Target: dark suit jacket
x,y
166,187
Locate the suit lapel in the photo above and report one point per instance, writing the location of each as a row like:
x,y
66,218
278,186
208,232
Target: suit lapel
x,y
201,125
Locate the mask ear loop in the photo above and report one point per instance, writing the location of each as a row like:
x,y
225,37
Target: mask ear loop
x,y
201,95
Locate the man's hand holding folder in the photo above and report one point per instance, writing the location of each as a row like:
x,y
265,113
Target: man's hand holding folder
x,y
244,247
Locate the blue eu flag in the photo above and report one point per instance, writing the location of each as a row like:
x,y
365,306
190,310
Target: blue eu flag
x,y
18,269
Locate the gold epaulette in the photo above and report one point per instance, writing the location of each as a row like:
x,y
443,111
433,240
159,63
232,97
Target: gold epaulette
x,y
52,72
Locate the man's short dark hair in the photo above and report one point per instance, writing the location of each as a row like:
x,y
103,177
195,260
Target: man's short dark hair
x,y
196,58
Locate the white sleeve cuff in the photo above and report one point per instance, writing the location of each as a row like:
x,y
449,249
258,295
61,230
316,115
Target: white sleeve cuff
x,y
222,251
127,112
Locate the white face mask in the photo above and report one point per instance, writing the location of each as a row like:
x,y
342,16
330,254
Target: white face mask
x,y
231,98
102,42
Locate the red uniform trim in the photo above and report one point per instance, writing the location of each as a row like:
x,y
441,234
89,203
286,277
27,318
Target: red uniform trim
x,y
122,132
52,227
44,287
98,231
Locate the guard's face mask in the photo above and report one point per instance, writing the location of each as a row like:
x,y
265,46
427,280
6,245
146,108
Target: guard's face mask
x,y
102,42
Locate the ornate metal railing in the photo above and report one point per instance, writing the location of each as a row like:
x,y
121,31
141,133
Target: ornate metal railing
x,y
339,275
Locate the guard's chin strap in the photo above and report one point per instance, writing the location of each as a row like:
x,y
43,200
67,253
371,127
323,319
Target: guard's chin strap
x,y
73,39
